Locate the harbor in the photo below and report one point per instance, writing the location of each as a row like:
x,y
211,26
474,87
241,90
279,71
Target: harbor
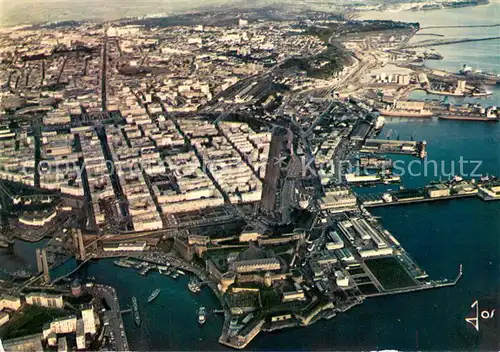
x,y
186,286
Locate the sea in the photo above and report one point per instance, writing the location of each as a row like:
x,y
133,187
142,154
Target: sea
x,y
440,236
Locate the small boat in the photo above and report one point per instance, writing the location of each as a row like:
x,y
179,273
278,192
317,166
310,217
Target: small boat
x,y
181,272
122,263
153,295
202,315
194,286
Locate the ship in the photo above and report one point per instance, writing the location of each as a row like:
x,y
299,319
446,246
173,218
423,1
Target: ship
x,y
202,312
135,311
469,118
153,295
406,113
122,263
379,124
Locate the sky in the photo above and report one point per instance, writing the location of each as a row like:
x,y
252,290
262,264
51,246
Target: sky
x,y
17,12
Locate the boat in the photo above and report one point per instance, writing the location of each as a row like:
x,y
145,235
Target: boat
x,y
180,272
379,124
405,113
135,311
122,263
194,286
469,118
202,315
153,295
145,270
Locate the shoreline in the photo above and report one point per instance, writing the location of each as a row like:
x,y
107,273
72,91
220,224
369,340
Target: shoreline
x,y
216,8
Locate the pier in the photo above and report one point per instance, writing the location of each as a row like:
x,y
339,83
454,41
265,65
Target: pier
x,y
427,286
382,146
446,42
488,191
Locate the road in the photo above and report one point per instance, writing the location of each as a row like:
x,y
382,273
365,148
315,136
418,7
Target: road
x,y
117,331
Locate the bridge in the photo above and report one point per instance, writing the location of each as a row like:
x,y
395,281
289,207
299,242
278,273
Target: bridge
x,y
55,281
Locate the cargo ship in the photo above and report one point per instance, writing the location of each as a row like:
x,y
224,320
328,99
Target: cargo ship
x,y
404,113
135,311
153,295
469,118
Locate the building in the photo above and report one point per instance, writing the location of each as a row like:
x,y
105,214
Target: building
x,y
64,325
137,246
297,295
248,266
439,190
339,199
4,318
417,106
335,241
52,339
10,302
89,320
375,252
38,219
45,300
342,280
23,344
80,335
76,288
62,345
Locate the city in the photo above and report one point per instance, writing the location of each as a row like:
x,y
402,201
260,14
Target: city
x,y
242,151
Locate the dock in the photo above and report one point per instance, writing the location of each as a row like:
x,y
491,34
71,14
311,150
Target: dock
x,y
427,286
488,191
386,146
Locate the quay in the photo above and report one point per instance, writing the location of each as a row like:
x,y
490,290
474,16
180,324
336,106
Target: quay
x,y
432,193
446,42
382,146
426,286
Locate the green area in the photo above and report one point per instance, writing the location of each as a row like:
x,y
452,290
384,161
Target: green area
x,y
322,65
390,273
29,320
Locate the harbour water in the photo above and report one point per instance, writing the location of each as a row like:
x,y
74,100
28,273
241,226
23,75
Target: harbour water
x,y
440,236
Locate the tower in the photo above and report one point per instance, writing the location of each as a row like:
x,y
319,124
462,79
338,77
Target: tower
x,y
45,265
39,263
81,246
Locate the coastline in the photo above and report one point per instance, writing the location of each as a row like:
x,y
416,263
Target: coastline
x,y
199,273
88,18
